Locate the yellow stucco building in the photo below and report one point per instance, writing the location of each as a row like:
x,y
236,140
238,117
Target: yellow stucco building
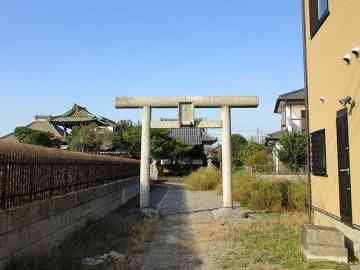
x,y
332,61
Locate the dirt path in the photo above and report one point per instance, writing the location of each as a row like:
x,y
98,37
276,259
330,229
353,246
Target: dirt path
x,y
184,238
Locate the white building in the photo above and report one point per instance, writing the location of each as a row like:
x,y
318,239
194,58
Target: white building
x,y
291,107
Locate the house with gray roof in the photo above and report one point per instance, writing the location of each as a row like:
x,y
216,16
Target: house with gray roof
x,y
291,108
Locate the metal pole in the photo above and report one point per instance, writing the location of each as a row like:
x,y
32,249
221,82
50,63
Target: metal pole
x,y
145,158
226,156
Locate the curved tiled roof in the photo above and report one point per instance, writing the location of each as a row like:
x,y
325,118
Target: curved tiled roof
x,y
40,125
78,114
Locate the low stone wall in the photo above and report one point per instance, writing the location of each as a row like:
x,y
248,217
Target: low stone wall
x,y
283,177
38,227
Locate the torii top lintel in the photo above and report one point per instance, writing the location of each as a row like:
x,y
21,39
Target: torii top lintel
x,y
196,101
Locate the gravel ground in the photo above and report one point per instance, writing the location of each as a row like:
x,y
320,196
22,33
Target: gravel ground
x,y
183,238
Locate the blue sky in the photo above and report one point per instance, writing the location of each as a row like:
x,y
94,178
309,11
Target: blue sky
x,y
56,53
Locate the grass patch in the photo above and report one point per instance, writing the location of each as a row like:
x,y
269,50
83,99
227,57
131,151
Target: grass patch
x,y
203,179
269,243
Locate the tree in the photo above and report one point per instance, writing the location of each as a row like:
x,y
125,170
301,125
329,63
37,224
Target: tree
x,y
128,138
255,153
89,138
293,150
36,137
163,146
238,144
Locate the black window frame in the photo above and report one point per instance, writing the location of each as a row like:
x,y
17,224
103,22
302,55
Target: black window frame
x,y
318,153
315,20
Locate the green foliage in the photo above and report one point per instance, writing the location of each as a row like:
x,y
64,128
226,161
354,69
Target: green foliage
x,y
203,179
255,154
128,138
162,146
238,144
89,138
293,151
36,137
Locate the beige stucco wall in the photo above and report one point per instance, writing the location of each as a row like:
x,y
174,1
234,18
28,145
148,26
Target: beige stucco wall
x,y
331,78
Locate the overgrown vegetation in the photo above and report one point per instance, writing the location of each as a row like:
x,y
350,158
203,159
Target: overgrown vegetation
x,y
254,193
270,242
203,179
259,194
35,137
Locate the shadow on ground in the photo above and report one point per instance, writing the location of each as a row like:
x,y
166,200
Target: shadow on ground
x,y
171,242
177,243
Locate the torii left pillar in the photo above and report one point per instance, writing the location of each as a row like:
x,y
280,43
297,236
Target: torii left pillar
x,y
145,158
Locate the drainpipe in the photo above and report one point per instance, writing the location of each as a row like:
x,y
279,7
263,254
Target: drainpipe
x,y
308,172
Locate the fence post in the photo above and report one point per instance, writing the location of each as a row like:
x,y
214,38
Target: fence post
x,y
3,181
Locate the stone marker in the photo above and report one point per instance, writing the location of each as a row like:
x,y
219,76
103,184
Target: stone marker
x,y
154,172
320,243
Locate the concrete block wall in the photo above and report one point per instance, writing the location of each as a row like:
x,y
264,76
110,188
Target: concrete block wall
x,y
38,227
352,234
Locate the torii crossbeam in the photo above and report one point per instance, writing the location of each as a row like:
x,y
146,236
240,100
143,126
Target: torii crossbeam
x,y
186,106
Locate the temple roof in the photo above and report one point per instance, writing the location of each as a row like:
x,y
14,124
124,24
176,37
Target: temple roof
x,y
78,114
191,135
40,125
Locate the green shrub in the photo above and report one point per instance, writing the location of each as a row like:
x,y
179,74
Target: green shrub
x,y
266,197
297,196
259,194
203,179
242,188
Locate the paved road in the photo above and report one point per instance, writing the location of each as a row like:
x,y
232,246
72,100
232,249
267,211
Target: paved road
x,y
183,238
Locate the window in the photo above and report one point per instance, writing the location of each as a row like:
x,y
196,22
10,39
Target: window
x,y
318,153
303,121
319,11
323,8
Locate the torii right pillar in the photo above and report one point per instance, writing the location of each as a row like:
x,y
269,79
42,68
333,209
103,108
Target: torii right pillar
x,y
226,157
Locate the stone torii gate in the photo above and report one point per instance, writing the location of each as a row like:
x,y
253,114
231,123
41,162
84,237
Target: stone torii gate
x,y
186,106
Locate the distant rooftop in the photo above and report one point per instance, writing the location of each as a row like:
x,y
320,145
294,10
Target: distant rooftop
x,y
40,125
293,96
190,135
79,115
